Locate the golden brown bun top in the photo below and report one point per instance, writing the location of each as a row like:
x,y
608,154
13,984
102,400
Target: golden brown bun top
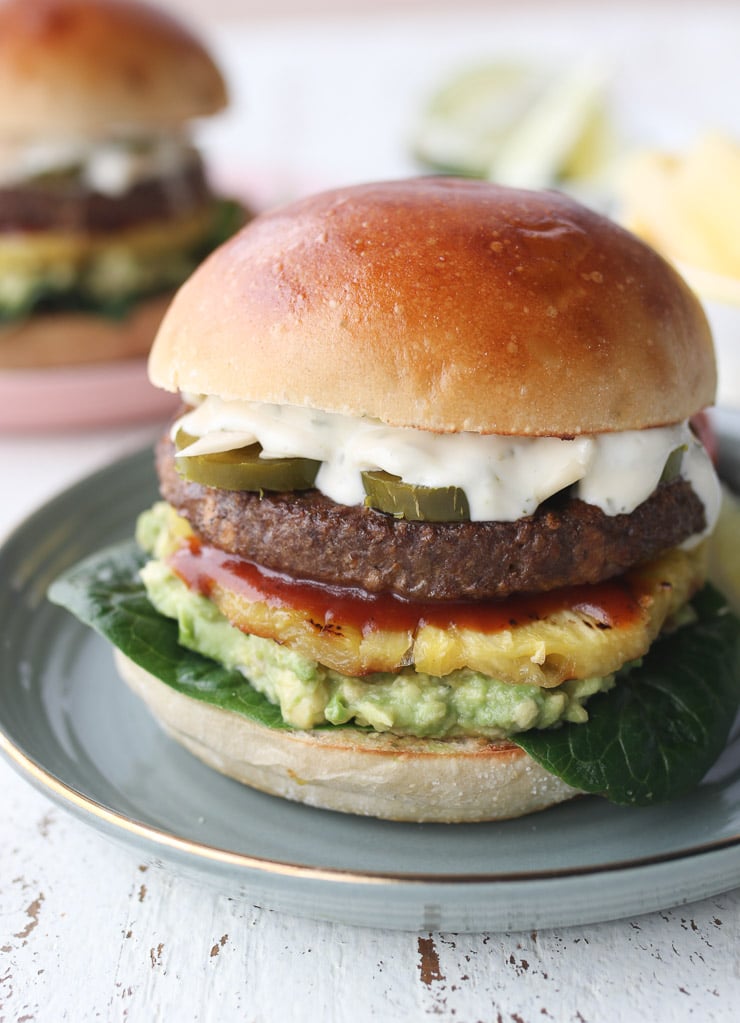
x,y
82,67
447,305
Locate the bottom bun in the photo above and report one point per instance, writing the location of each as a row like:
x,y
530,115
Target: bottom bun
x,y
72,339
368,773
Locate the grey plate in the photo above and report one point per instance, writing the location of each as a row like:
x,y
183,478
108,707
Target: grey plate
x,y
78,734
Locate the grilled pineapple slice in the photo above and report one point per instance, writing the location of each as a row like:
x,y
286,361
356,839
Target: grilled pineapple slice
x,y
579,633
574,641
35,252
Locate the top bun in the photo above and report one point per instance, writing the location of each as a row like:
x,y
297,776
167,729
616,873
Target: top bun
x,y
83,67
447,305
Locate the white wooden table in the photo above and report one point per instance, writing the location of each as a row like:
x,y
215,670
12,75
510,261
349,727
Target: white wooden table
x,y
88,929
87,932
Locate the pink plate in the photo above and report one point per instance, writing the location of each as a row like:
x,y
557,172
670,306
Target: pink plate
x,y
105,394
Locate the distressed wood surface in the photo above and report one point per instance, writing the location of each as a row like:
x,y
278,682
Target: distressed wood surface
x,y
88,931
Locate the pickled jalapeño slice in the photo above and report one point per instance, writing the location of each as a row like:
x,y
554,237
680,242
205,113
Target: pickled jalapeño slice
x,y
391,494
244,469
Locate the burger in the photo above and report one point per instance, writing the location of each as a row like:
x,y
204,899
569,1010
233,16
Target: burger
x,y
105,207
432,533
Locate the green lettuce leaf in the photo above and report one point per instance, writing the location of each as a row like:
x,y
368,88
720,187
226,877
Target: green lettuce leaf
x,y
656,734
650,739
105,592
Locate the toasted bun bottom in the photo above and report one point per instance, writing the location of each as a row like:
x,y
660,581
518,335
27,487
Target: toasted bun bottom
x,y
371,774
72,339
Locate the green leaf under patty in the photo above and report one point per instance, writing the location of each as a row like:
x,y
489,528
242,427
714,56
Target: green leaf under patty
x,y
105,592
650,739
656,734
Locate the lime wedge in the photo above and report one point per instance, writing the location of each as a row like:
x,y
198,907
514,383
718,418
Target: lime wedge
x,y
563,135
467,121
518,124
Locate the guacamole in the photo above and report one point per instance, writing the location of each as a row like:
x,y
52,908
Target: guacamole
x,y
464,702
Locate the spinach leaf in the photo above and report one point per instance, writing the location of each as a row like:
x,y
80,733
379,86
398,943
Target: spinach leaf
x,y
105,592
656,734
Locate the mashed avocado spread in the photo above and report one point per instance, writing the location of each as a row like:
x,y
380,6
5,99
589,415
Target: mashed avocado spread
x,y
465,702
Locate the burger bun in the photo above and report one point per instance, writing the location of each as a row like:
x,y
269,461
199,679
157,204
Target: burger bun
x,y
353,771
76,69
74,339
447,305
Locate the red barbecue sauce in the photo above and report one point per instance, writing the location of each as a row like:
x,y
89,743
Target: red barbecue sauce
x,y
615,603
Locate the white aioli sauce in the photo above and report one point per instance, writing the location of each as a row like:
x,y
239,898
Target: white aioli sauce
x,y
504,478
110,166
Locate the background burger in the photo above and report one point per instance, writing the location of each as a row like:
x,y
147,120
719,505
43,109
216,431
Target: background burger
x,y
104,203
432,537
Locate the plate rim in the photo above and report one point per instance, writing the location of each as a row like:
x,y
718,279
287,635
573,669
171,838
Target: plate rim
x,y
71,798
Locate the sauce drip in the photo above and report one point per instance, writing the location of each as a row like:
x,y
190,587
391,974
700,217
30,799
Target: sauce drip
x,y
203,567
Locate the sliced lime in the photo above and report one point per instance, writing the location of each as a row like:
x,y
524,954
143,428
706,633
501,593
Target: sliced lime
x,y
466,122
518,124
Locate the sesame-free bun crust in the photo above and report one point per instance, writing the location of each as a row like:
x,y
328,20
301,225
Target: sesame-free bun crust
x,y
73,339
71,68
375,775
447,305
